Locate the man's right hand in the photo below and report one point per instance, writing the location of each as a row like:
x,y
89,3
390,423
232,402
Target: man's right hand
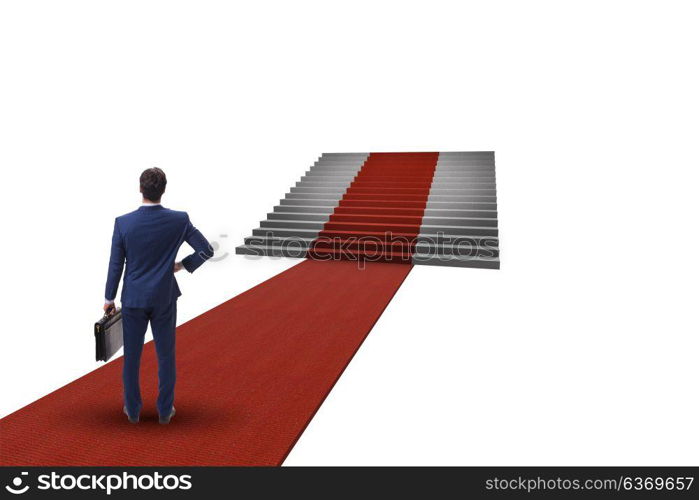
x,y
178,267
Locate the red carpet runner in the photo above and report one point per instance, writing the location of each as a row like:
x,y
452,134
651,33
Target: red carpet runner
x,y
252,372
379,216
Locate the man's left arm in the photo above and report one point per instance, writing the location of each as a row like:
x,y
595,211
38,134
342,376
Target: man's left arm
x,y
116,268
202,249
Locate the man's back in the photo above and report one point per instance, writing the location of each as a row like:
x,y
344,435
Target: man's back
x,y
148,239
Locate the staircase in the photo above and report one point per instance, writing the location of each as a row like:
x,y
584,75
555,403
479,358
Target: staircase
x,y
419,208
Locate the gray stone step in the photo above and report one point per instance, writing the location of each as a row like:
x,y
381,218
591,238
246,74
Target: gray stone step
x,y
312,184
330,175
428,220
279,241
292,224
456,261
427,241
418,259
271,251
304,216
442,189
459,221
461,183
482,189
447,249
312,196
469,154
478,204
344,155
439,212
338,167
452,177
332,170
472,249
304,202
482,197
466,161
463,176
304,182
425,229
464,205
319,189
304,209
436,212
345,179
453,167
285,232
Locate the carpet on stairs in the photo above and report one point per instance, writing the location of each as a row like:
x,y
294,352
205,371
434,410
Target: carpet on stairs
x,y
379,216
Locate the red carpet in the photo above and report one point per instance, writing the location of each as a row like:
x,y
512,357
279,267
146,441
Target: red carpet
x,y
379,217
252,372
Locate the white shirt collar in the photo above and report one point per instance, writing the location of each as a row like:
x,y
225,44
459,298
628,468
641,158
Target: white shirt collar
x,y
150,204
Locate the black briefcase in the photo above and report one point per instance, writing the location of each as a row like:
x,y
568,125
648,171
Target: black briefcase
x,y
109,336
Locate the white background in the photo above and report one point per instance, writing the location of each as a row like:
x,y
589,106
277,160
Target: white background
x,y
581,350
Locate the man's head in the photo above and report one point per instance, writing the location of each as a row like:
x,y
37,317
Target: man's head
x,y
153,183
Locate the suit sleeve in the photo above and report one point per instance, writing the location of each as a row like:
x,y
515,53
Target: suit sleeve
x,y
116,264
202,249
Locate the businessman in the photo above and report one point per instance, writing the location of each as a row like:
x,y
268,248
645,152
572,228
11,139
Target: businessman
x,y
148,239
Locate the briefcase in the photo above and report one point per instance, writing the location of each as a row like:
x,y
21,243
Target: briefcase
x,y
109,336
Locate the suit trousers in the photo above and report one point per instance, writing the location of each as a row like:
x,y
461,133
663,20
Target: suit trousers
x,y
135,321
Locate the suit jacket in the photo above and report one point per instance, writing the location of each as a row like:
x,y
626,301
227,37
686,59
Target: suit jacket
x,y
148,239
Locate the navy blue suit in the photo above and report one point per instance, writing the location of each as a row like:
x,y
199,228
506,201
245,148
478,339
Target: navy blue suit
x,y
148,240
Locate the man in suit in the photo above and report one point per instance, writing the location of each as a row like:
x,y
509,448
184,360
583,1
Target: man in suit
x,y
148,239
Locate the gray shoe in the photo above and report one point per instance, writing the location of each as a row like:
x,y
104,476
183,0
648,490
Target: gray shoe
x,y
131,419
166,420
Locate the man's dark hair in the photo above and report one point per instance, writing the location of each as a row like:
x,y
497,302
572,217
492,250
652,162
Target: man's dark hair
x,y
153,183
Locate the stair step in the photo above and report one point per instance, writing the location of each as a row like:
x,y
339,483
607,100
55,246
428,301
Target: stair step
x,y
295,241
387,197
327,210
271,251
489,214
478,203
388,191
456,261
484,196
285,232
319,189
412,219
304,216
377,218
458,230
313,196
292,224
332,202
475,247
